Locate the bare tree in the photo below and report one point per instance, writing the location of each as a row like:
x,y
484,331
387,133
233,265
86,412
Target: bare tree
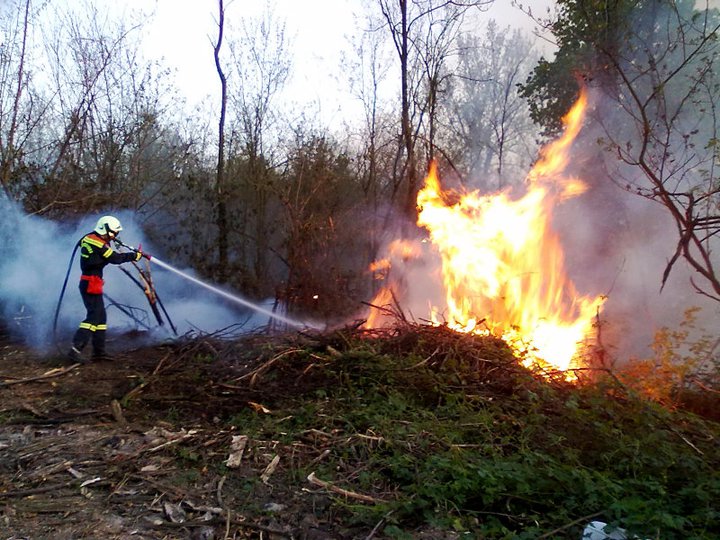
x,y
102,100
9,152
368,69
319,197
422,32
260,69
664,125
222,226
486,125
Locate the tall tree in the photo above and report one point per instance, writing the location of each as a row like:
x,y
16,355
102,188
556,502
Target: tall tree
x,y
319,199
222,225
582,30
13,86
368,69
488,131
259,71
104,100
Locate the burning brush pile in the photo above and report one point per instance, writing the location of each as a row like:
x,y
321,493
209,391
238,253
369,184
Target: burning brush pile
x,y
501,269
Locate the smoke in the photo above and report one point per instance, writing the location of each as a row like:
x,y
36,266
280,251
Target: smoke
x,y
34,263
618,244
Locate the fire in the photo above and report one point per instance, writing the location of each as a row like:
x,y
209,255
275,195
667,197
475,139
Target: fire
x,y
502,265
399,252
382,298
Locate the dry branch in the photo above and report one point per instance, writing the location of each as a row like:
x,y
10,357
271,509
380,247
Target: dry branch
x,y
135,391
254,374
571,524
36,491
57,372
270,469
340,491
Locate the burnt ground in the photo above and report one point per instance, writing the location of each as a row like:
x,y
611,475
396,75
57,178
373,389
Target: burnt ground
x,y
138,447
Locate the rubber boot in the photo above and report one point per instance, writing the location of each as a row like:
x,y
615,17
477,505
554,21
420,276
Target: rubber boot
x,y
98,344
75,355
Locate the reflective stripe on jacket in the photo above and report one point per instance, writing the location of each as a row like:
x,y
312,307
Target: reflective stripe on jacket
x,y
95,254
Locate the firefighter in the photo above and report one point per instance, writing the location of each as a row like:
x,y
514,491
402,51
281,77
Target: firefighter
x,y
95,254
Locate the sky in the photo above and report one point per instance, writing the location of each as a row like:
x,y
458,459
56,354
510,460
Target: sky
x,y
182,33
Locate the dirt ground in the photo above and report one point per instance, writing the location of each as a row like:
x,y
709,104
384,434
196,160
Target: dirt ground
x,y
143,446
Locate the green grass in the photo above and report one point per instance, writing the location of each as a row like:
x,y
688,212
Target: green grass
x,y
489,451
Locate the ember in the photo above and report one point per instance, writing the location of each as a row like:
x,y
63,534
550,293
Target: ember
x,y
502,265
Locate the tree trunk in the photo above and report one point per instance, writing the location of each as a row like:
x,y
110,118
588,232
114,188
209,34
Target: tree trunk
x,y
222,222
407,134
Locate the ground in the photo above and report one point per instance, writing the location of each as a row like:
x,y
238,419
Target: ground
x,y
137,447
413,432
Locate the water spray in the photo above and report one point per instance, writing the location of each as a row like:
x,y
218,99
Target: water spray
x,y
146,285
232,297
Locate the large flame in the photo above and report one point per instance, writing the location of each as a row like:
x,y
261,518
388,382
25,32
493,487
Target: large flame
x,y
502,264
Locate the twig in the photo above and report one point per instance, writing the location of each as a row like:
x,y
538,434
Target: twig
x,y
184,437
320,457
45,472
132,393
571,524
35,491
378,525
253,374
340,491
426,360
219,491
270,469
162,487
705,387
691,445
49,375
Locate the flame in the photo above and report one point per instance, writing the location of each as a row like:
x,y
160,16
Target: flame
x,y
503,265
383,298
399,252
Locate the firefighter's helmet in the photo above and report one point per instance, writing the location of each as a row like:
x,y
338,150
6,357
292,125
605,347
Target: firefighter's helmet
x,y
108,225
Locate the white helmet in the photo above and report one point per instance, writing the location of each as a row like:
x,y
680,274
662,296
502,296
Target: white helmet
x,y
109,225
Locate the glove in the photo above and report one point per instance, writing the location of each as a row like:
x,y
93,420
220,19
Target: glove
x,y
141,253
138,255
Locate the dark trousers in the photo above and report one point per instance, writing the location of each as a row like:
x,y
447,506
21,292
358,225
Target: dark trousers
x,y
95,324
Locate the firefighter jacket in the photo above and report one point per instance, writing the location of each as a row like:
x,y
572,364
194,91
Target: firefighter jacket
x,y
96,254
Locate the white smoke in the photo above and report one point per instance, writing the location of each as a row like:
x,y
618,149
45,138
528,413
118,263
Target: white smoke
x,y
618,244
35,259
622,243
